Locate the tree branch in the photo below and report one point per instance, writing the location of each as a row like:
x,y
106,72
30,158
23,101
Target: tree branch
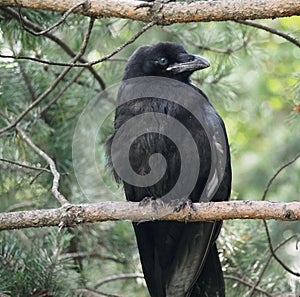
x,y
117,277
58,41
225,51
272,31
273,252
247,284
276,174
69,215
167,13
81,255
55,173
58,96
37,101
255,285
24,165
73,64
126,43
56,24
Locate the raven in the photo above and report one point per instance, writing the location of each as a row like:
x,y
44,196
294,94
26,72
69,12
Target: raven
x,y
178,259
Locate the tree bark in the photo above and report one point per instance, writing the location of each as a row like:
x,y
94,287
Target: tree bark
x,y
69,215
168,13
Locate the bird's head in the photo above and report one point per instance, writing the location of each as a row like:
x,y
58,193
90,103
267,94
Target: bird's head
x,y
164,59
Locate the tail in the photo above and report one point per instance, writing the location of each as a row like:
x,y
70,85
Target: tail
x,y
211,281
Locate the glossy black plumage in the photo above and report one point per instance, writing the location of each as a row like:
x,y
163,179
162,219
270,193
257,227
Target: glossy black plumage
x,y
178,259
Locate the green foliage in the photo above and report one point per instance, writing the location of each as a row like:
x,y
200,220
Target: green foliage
x,y
35,269
253,82
245,255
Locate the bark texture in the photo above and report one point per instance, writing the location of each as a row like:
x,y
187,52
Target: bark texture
x,y
69,215
167,13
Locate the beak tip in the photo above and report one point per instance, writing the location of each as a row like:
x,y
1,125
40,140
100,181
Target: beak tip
x,y
205,63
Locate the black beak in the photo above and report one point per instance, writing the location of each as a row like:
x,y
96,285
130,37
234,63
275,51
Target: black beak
x,y
190,63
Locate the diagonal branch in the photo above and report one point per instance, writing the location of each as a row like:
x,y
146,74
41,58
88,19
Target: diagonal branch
x,y
35,28
272,31
226,51
24,165
36,102
56,24
49,104
14,124
122,46
276,174
273,252
247,284
254,286
55,173
86,64
117,277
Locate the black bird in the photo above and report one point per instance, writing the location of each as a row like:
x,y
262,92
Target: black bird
x,y
178,259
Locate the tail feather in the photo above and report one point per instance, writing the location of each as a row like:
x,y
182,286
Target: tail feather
x,y
211,281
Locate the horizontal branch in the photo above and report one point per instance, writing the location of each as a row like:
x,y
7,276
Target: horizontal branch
x,y
173,12
69,215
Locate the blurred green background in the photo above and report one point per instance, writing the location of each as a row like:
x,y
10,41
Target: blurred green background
x,y
253,82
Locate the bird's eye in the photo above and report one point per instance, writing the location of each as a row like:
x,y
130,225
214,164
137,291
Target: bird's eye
x,y
163,61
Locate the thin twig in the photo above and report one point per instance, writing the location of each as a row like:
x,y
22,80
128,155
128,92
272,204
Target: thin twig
x,y
54,84
24,165
272,250
86,64
35,102
246,283
56,24
13,13
81,255
42,61
17,57
53,63
38,175
49,104
254,286
117,277
276,174
122,46
227,51
271,30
